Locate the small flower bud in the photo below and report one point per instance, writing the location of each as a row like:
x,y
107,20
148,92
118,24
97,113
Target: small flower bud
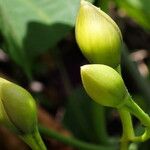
x,y
18,113
97,35
104,85
18,109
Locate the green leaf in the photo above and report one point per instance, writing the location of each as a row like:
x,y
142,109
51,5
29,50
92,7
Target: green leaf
x,y
138,10
31,27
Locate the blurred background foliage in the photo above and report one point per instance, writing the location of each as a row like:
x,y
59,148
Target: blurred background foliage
x,y
38,51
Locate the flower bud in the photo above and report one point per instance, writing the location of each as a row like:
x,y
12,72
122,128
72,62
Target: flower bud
x,y
98,36
17,108
104,85
18,113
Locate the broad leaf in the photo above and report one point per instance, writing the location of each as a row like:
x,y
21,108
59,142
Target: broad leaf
x,y
31,27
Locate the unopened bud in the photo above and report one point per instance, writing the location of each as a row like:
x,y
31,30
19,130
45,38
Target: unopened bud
x,y
18,112
18,109
104,85
98,36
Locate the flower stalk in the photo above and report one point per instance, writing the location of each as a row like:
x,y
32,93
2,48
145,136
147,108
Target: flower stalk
x,y
100,40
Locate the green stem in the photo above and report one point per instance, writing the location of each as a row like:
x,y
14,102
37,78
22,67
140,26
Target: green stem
x,y
128,132
124,145
34,141
138,112
144,118
143,86
72,141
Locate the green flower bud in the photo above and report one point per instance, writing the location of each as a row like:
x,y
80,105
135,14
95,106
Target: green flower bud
x,y
104,85
98,36
19,110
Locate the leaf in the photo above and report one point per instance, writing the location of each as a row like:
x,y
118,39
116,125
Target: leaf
x,y
138,10
31,27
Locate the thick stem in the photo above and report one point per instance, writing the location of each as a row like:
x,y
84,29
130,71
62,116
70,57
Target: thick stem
x,y
128,132
127,126
144,118
138,112
34,141
124,145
